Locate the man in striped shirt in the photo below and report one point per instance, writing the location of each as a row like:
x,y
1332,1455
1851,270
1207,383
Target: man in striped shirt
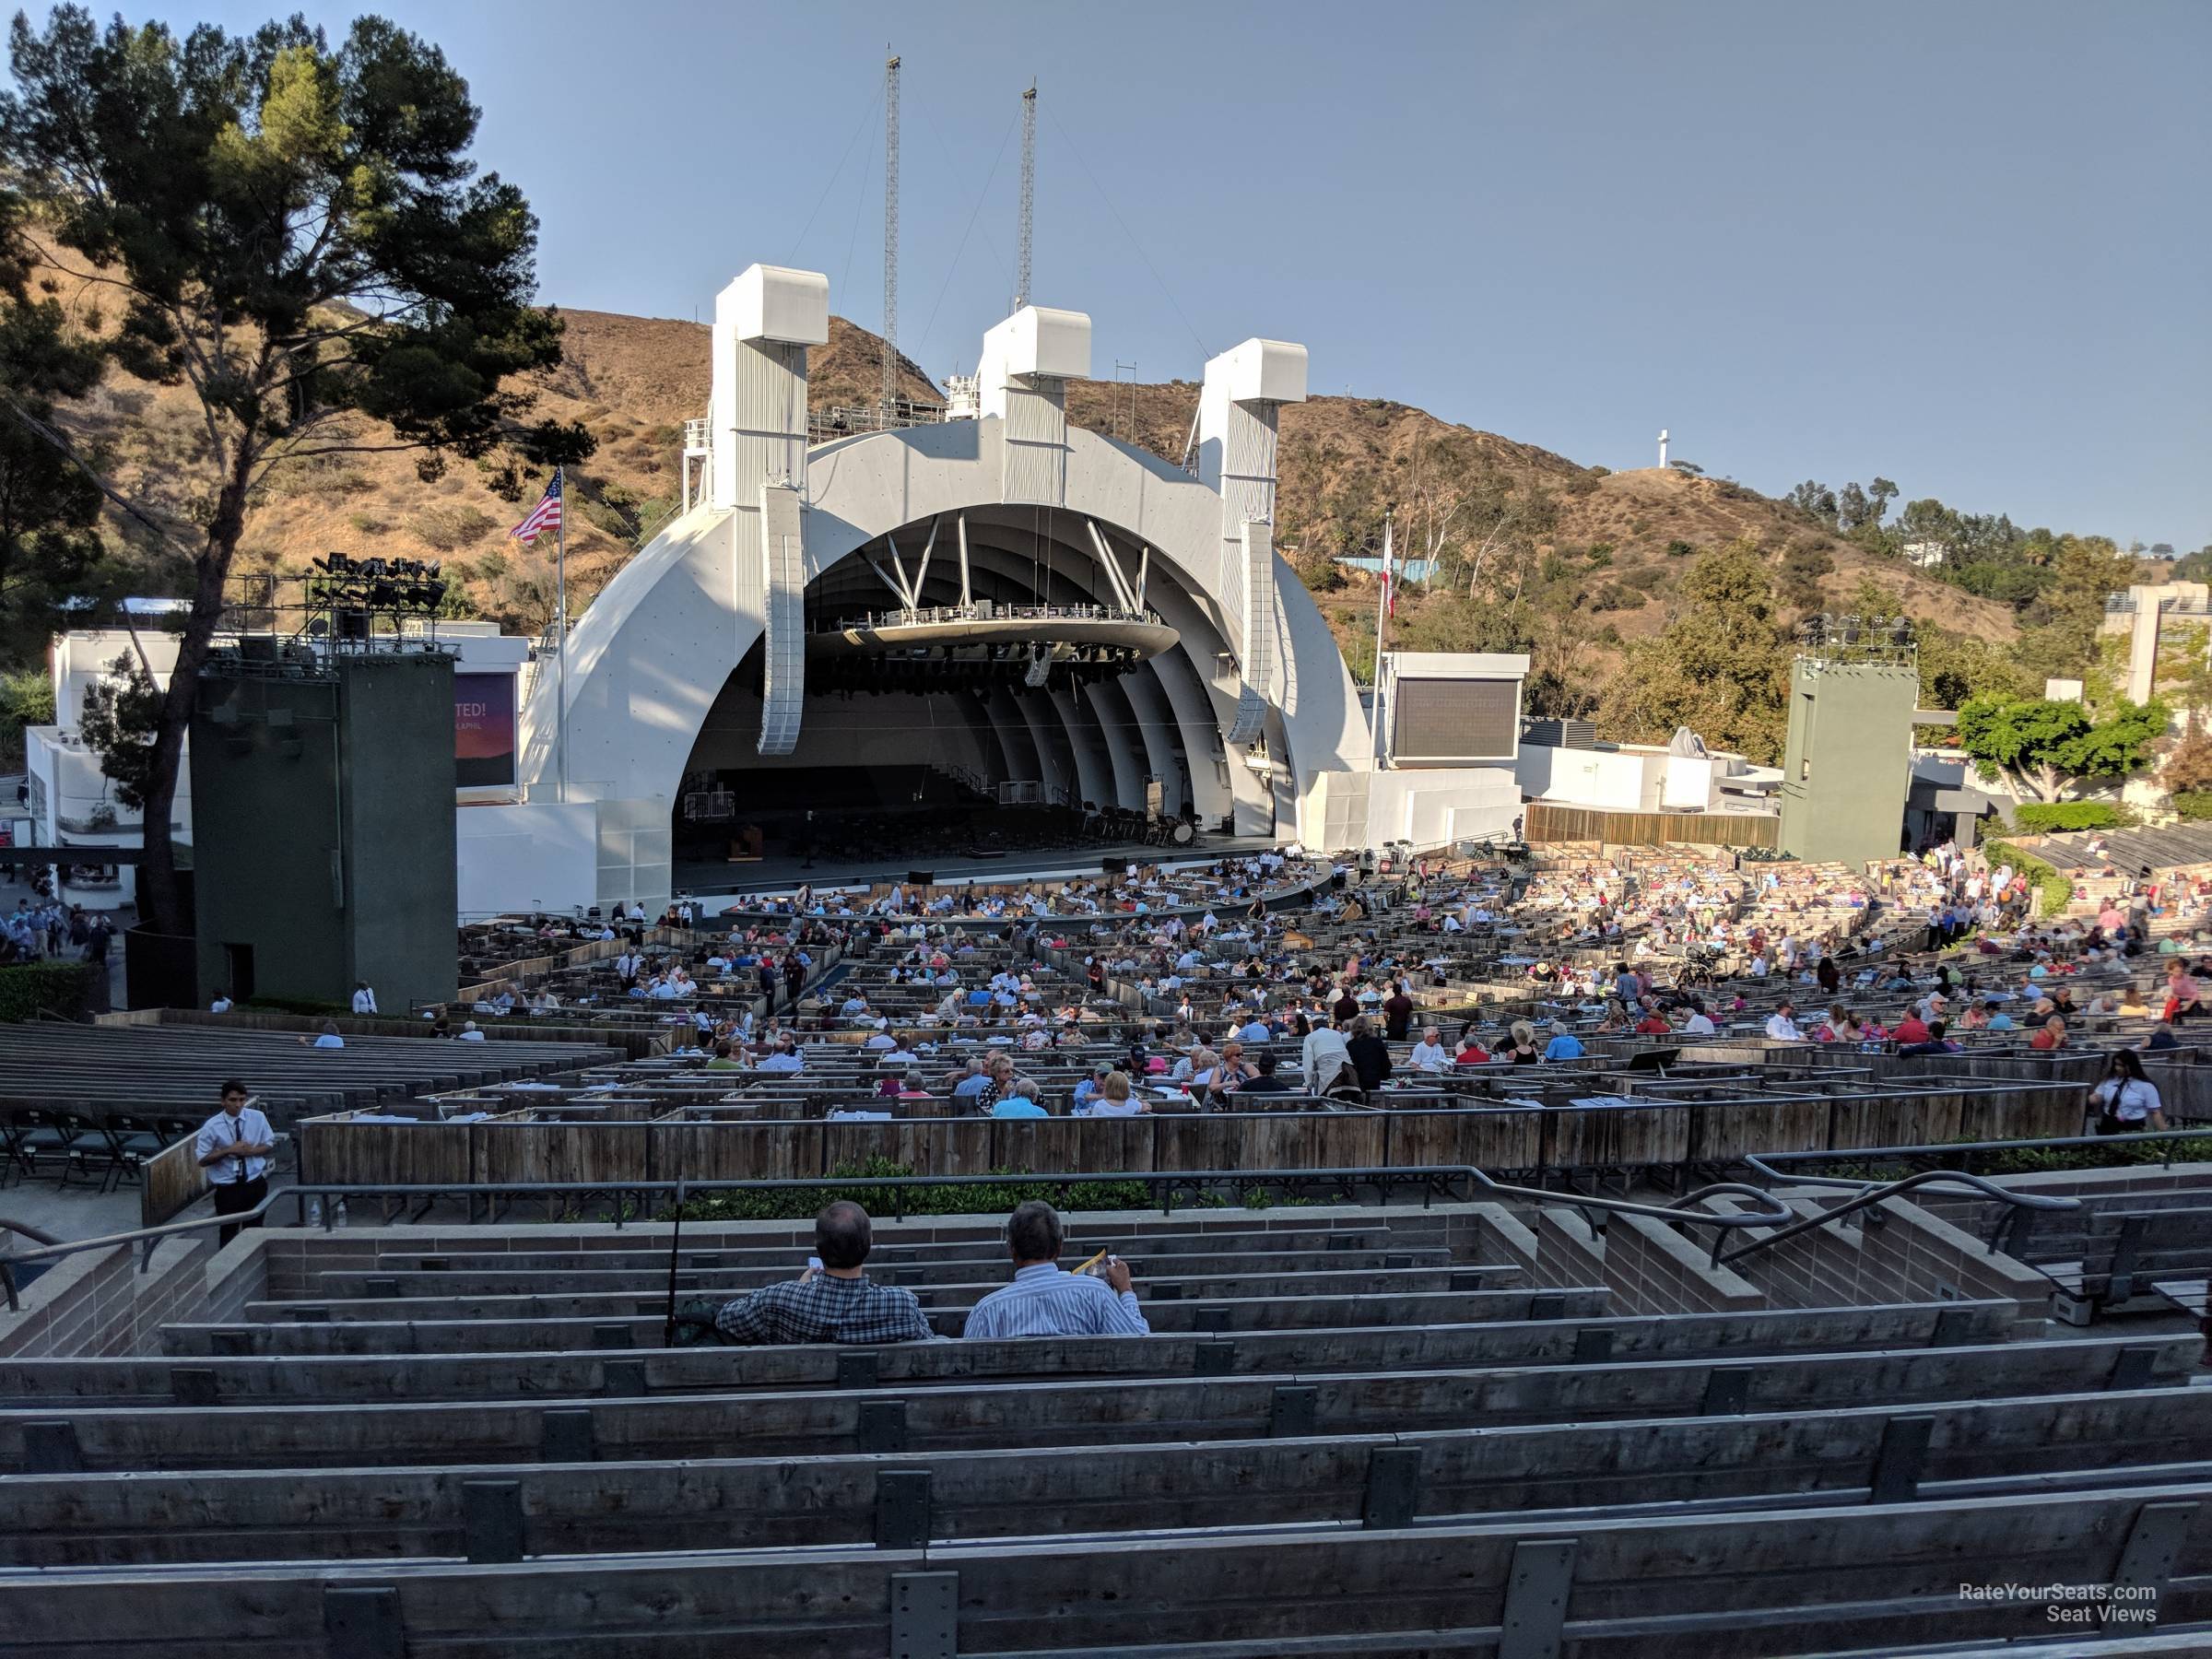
x,y
1044,1302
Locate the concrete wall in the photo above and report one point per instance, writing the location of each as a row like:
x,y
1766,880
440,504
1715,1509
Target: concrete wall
x,y
523,858
330,872
96,1304
1847,764
400,871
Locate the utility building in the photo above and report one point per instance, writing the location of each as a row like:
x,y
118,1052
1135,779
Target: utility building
x,y
1847,764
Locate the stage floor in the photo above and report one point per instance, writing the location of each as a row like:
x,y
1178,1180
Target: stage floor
x,y
708,880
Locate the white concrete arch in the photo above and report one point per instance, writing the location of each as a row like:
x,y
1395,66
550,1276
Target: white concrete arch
x,y
651,659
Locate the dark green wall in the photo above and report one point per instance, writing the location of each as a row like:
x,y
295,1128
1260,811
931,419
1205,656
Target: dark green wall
x,y
1847,764
323,830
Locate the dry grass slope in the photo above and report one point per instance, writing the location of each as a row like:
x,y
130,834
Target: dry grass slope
x,y
634,380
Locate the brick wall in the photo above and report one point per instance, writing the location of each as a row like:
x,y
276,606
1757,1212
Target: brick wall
x,y
1567,1253
98,1303
1895,1252
1980,1215
1654,1269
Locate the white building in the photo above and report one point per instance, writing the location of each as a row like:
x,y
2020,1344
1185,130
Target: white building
x,y
1680,776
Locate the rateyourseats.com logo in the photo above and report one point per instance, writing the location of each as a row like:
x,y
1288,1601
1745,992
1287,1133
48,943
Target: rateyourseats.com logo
x,y
2077,1604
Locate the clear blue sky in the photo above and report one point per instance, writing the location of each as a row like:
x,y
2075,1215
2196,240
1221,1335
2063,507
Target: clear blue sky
x,y
1966,246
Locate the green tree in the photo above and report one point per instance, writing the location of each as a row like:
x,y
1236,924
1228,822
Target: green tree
x,y
1817,501
2066,616
50,544
295,233
1879,494
2044,747
120,719
26,699
1720,667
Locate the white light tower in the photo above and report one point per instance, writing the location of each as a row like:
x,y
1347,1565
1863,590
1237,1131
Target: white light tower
x,y
1662,448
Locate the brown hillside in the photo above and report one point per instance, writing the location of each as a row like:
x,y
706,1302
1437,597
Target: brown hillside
x,y
634,380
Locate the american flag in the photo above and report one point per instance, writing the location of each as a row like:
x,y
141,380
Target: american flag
x,y
543,517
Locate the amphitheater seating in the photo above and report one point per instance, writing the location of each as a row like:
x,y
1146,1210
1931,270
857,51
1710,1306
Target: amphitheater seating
x,y
469,1440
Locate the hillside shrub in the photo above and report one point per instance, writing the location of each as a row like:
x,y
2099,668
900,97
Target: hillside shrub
x,y
2194,804
2049,818
449,528
1678,549
27,989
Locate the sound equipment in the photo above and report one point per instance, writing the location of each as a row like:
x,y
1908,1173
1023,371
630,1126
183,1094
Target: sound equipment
x,y
921,878
1184,835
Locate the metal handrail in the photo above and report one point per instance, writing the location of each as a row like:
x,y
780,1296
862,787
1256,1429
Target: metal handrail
x,y
1871,1193
1436,1179
1764,1162
146,1238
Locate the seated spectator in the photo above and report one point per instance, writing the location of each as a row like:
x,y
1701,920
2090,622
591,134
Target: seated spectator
x,y
724,1059
328,1039
835,1304
1369,1055
1044,1302
1088,1090
1653,1024
1471,1052
2052,1036
1521,1044
1935,1042
1020,1101
1264,1080
1564,1044
1113,1099
784,1057
468,1032
1429,1054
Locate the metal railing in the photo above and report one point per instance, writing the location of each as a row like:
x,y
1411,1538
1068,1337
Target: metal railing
x,y
985,611
146,1238
1871,1194
1445,1182
1959,1157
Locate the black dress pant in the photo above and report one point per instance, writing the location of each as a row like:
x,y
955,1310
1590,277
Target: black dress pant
x,y
235,1197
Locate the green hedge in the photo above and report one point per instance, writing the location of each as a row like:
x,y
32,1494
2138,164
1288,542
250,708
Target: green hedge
x,y
2053,891
26,989
2044,817
803,1204
2193,804
297,1005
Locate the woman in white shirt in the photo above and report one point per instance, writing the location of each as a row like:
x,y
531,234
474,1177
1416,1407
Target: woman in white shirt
x,y
2127,1102
1114,1099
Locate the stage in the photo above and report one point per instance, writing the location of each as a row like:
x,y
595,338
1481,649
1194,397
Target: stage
x,y
714,884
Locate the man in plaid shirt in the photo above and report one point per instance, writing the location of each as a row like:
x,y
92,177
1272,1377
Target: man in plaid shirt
x,y
837,1304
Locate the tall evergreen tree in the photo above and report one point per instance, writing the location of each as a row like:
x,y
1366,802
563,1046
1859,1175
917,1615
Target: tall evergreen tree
x,y
295,231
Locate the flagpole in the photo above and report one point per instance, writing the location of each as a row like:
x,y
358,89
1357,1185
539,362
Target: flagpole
x,y
1374,745
561,606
